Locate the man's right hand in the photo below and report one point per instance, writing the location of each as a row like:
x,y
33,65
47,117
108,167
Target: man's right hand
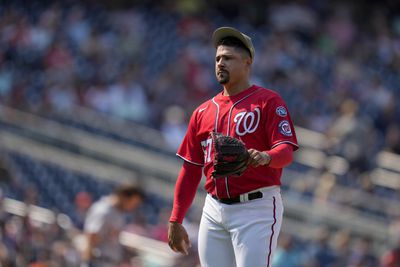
x,y
178,239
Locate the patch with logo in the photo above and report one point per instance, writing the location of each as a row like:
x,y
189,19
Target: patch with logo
x,y
284,128
281,111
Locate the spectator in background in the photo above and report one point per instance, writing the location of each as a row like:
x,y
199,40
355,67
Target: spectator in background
x,y
103,224
392,257
174,126
319,253
362,254
349,136
128,99
5,175
393,138
325,185
83,201
341,247
5,257
286,254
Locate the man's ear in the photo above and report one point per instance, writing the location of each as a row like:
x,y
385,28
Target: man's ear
x,y
249,61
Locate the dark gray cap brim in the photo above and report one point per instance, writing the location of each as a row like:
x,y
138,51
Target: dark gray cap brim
x,y
224,32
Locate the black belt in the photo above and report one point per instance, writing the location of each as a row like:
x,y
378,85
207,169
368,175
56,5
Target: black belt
x,y
234,200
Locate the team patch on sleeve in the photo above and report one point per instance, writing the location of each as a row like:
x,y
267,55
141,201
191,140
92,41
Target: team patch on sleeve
x,y
281,111
284,128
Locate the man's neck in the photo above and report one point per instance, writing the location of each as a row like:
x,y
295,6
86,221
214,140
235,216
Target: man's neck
x,y
115,202
234,89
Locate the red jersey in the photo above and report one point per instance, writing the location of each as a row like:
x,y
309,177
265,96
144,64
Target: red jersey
x,y
257,116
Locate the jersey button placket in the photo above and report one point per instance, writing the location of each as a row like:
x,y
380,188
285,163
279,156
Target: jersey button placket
x,y
220,187
227,110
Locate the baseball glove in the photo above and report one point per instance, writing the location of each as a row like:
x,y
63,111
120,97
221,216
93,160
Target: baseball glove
x,y
230,156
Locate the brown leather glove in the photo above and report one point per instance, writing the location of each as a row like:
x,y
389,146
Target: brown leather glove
x,y
230,156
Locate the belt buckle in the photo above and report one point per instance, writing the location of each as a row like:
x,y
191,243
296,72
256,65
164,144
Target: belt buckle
x,y
250,196
244,197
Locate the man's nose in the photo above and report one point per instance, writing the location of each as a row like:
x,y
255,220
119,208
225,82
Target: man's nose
x,y
220,63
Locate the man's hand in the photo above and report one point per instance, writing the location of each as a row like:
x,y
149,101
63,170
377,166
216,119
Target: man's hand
x,y
178,239
258,158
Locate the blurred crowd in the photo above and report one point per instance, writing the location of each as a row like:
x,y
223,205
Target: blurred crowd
x,y
27,242
337,70
335,63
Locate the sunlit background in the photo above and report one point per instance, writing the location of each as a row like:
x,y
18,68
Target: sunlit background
x,y
95,93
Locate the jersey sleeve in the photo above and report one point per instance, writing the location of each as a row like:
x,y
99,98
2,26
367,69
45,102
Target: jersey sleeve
x,y
190,149
95,220
279,126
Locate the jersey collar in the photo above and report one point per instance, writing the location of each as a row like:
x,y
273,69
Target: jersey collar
x,y
234,98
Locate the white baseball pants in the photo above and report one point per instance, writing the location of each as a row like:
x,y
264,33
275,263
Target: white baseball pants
x,y
244,233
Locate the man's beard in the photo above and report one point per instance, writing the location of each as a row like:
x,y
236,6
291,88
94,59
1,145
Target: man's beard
x,y
223,77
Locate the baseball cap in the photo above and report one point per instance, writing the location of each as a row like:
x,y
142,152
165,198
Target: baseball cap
x,y
224,32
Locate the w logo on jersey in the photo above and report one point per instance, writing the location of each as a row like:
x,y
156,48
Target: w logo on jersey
x,y
247,121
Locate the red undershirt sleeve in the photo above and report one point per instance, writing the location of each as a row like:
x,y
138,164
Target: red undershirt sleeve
x,y
185,190
281,156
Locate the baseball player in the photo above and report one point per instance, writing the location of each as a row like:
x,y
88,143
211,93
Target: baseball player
x,y
103,224
242,215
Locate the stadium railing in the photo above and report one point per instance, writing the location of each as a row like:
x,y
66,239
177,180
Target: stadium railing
x,y
35,135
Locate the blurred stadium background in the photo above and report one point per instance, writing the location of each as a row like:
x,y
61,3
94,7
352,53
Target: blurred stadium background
x,y
94,93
